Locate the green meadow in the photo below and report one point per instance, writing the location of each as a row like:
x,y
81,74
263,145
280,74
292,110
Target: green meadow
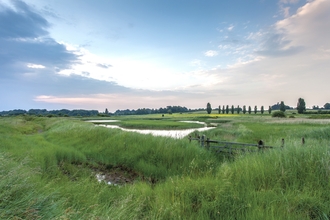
x,y
49,168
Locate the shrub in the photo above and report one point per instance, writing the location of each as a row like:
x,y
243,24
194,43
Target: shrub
x,y
279,114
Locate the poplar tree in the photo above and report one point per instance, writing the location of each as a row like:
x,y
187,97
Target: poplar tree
x,y
244,109
208,108
301,106
282,106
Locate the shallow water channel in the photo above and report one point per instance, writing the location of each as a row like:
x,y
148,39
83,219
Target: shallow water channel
x,y
165,133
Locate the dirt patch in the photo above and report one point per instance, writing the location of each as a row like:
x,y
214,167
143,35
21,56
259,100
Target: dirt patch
x,y
104,173
117,175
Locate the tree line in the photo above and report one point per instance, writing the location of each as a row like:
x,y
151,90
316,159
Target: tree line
x,y
145,111
44,112
301,108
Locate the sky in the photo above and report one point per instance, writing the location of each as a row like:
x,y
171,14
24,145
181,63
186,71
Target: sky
x,y
130,54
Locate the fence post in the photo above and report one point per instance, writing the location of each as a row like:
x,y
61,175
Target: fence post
x,y
260,144
202,140
208,143
303,140
282,143
189,138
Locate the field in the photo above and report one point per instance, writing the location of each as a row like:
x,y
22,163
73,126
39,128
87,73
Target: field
x,y
65,168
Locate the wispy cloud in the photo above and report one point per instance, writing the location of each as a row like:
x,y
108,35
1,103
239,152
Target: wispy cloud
x,y
35,66
211,53
285,8
289,1
104,65
196,62
230,28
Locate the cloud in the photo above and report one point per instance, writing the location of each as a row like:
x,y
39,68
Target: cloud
x,y
289,1
301,33
230,28
22,22
196,62
284,8
131,73
31,59
211,53
275,43
24,41
287,61
135,99
35,66
104,65
290,60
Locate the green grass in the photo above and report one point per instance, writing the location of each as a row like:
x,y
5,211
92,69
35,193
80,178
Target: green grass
x,y
159,124
48,168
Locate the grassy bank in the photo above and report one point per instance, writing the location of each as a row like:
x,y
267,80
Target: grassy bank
x,y
48,168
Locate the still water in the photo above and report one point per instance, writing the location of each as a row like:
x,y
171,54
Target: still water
x,y
165,133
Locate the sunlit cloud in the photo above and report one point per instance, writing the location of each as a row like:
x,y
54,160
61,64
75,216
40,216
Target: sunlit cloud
x,y
122,101
135,74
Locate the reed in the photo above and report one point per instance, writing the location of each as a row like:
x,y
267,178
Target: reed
x,y
48,168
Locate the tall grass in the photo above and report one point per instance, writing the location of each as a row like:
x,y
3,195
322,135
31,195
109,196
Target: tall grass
x,y
48,172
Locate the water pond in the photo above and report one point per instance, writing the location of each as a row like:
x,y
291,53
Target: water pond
x,y
166,133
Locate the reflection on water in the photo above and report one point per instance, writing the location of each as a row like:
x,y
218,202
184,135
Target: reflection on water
x,y
100,121
166,133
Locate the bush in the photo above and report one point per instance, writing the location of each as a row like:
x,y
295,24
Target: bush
x,y
279,114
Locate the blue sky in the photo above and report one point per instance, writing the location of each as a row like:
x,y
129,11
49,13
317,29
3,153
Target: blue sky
x,y
131,54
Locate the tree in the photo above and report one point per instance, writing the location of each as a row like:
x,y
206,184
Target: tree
x,y
301,106
238,109
270,110
279,114
219,110
208,108
277,106
249,111
327,106
244,109
255,109
227,109
232,109
223,109
282,106
262,109
106,111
